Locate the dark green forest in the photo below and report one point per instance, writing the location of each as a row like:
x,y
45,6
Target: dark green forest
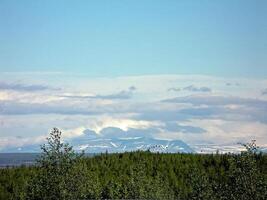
x,y
60,173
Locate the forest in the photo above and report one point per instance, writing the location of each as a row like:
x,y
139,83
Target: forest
x,y
61,173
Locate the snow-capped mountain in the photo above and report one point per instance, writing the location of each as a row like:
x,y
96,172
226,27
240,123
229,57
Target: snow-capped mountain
x,y
94,143
113,145
131,144
116,140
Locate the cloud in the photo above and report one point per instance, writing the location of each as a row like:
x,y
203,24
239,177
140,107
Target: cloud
x,y
225,131
22,87
124,94
132,88
109,110
193,88
175,127
190,88
174,89
264,92
16,108
219,107
217,100
186,108
7,143
122,123
114,132
232,84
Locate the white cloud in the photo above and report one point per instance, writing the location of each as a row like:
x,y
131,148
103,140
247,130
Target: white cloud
x,y
225,113
123,124
225,132
15,142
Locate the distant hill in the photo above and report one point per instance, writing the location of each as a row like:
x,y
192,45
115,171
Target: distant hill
x,y
90,142
131,144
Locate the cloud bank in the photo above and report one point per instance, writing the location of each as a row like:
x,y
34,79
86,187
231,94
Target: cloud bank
x,y
134,107
23,88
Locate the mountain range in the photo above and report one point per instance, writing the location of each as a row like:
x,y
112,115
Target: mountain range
x,y
115,140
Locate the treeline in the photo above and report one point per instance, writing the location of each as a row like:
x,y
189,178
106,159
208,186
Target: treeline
x,y
62,174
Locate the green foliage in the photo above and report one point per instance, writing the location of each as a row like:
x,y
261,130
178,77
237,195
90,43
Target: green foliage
x,y
244,178
62,174
59,174
201,187
13,182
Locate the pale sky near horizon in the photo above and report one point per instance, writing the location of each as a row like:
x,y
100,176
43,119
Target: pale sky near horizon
x,y
119,38
185,70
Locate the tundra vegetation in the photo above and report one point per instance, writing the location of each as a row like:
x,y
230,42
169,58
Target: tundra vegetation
x,y
60,173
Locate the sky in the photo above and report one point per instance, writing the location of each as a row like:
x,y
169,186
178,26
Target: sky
x,y
116,38
189,70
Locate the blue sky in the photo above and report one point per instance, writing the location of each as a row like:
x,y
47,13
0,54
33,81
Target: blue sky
x,y
118,38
